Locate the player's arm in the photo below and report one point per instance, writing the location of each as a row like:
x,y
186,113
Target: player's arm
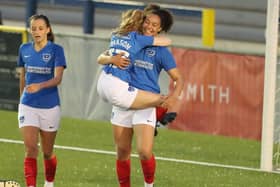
x,y
118,60
58,74
21,72
178,83
161,41
104,58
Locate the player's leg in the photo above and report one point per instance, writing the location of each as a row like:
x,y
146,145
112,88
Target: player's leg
x,y
123,140
146,99
50,119
50,161
119,93
160,112
144,137
122,131
30,138
29,127
143,125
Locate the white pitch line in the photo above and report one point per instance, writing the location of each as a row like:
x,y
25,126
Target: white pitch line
x,y
135,155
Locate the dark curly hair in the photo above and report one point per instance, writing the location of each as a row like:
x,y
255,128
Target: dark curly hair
x,y
166,18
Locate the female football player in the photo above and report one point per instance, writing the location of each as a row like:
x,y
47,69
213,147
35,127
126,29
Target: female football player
x,y
41,63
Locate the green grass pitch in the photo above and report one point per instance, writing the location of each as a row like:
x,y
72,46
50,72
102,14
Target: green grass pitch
x,y
89,169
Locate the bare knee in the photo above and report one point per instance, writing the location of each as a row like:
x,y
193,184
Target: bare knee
x,y
31,151
123,153
47,155
144,154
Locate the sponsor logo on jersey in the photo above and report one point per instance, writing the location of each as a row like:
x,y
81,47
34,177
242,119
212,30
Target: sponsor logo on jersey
x,y
46,57
144,64
40,70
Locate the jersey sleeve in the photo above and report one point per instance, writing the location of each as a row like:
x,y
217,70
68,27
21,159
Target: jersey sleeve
x,y
143,41
59,57
167,59
20,62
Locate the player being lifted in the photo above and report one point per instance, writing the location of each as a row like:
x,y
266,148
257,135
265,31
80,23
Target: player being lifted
x,y
113,84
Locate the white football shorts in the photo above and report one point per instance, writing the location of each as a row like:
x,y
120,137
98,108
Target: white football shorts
x,y
115,91
45,119
128,118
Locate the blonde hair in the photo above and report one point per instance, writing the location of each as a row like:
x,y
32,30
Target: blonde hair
x,y
131,20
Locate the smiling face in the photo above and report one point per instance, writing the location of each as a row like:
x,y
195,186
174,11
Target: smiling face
x,y
152,25
39,30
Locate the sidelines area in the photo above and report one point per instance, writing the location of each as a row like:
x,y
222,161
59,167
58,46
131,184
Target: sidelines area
x,y
136,156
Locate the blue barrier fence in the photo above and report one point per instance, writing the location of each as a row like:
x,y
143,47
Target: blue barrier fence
x,y
89,7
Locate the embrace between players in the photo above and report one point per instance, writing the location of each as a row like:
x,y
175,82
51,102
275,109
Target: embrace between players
x,y
129,81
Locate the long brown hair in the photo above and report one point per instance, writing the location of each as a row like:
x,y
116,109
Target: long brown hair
x,y
50,35
131,20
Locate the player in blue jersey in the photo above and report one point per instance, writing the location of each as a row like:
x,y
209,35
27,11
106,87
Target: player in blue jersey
x,y
149,62
113,84
41,63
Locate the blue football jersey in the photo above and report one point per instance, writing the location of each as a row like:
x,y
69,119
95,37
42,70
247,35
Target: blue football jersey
x,y
130,45
39,67
148,64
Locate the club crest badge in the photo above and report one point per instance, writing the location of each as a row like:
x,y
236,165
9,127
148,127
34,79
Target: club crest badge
x,y
131,89
21,119
151,52
46,57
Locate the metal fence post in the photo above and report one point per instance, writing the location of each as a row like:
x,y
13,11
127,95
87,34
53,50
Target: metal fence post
x,y
1,21
88,21
31,9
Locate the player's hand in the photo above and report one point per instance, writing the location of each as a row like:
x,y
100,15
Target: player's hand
x,y
120,61
169,102
32,88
